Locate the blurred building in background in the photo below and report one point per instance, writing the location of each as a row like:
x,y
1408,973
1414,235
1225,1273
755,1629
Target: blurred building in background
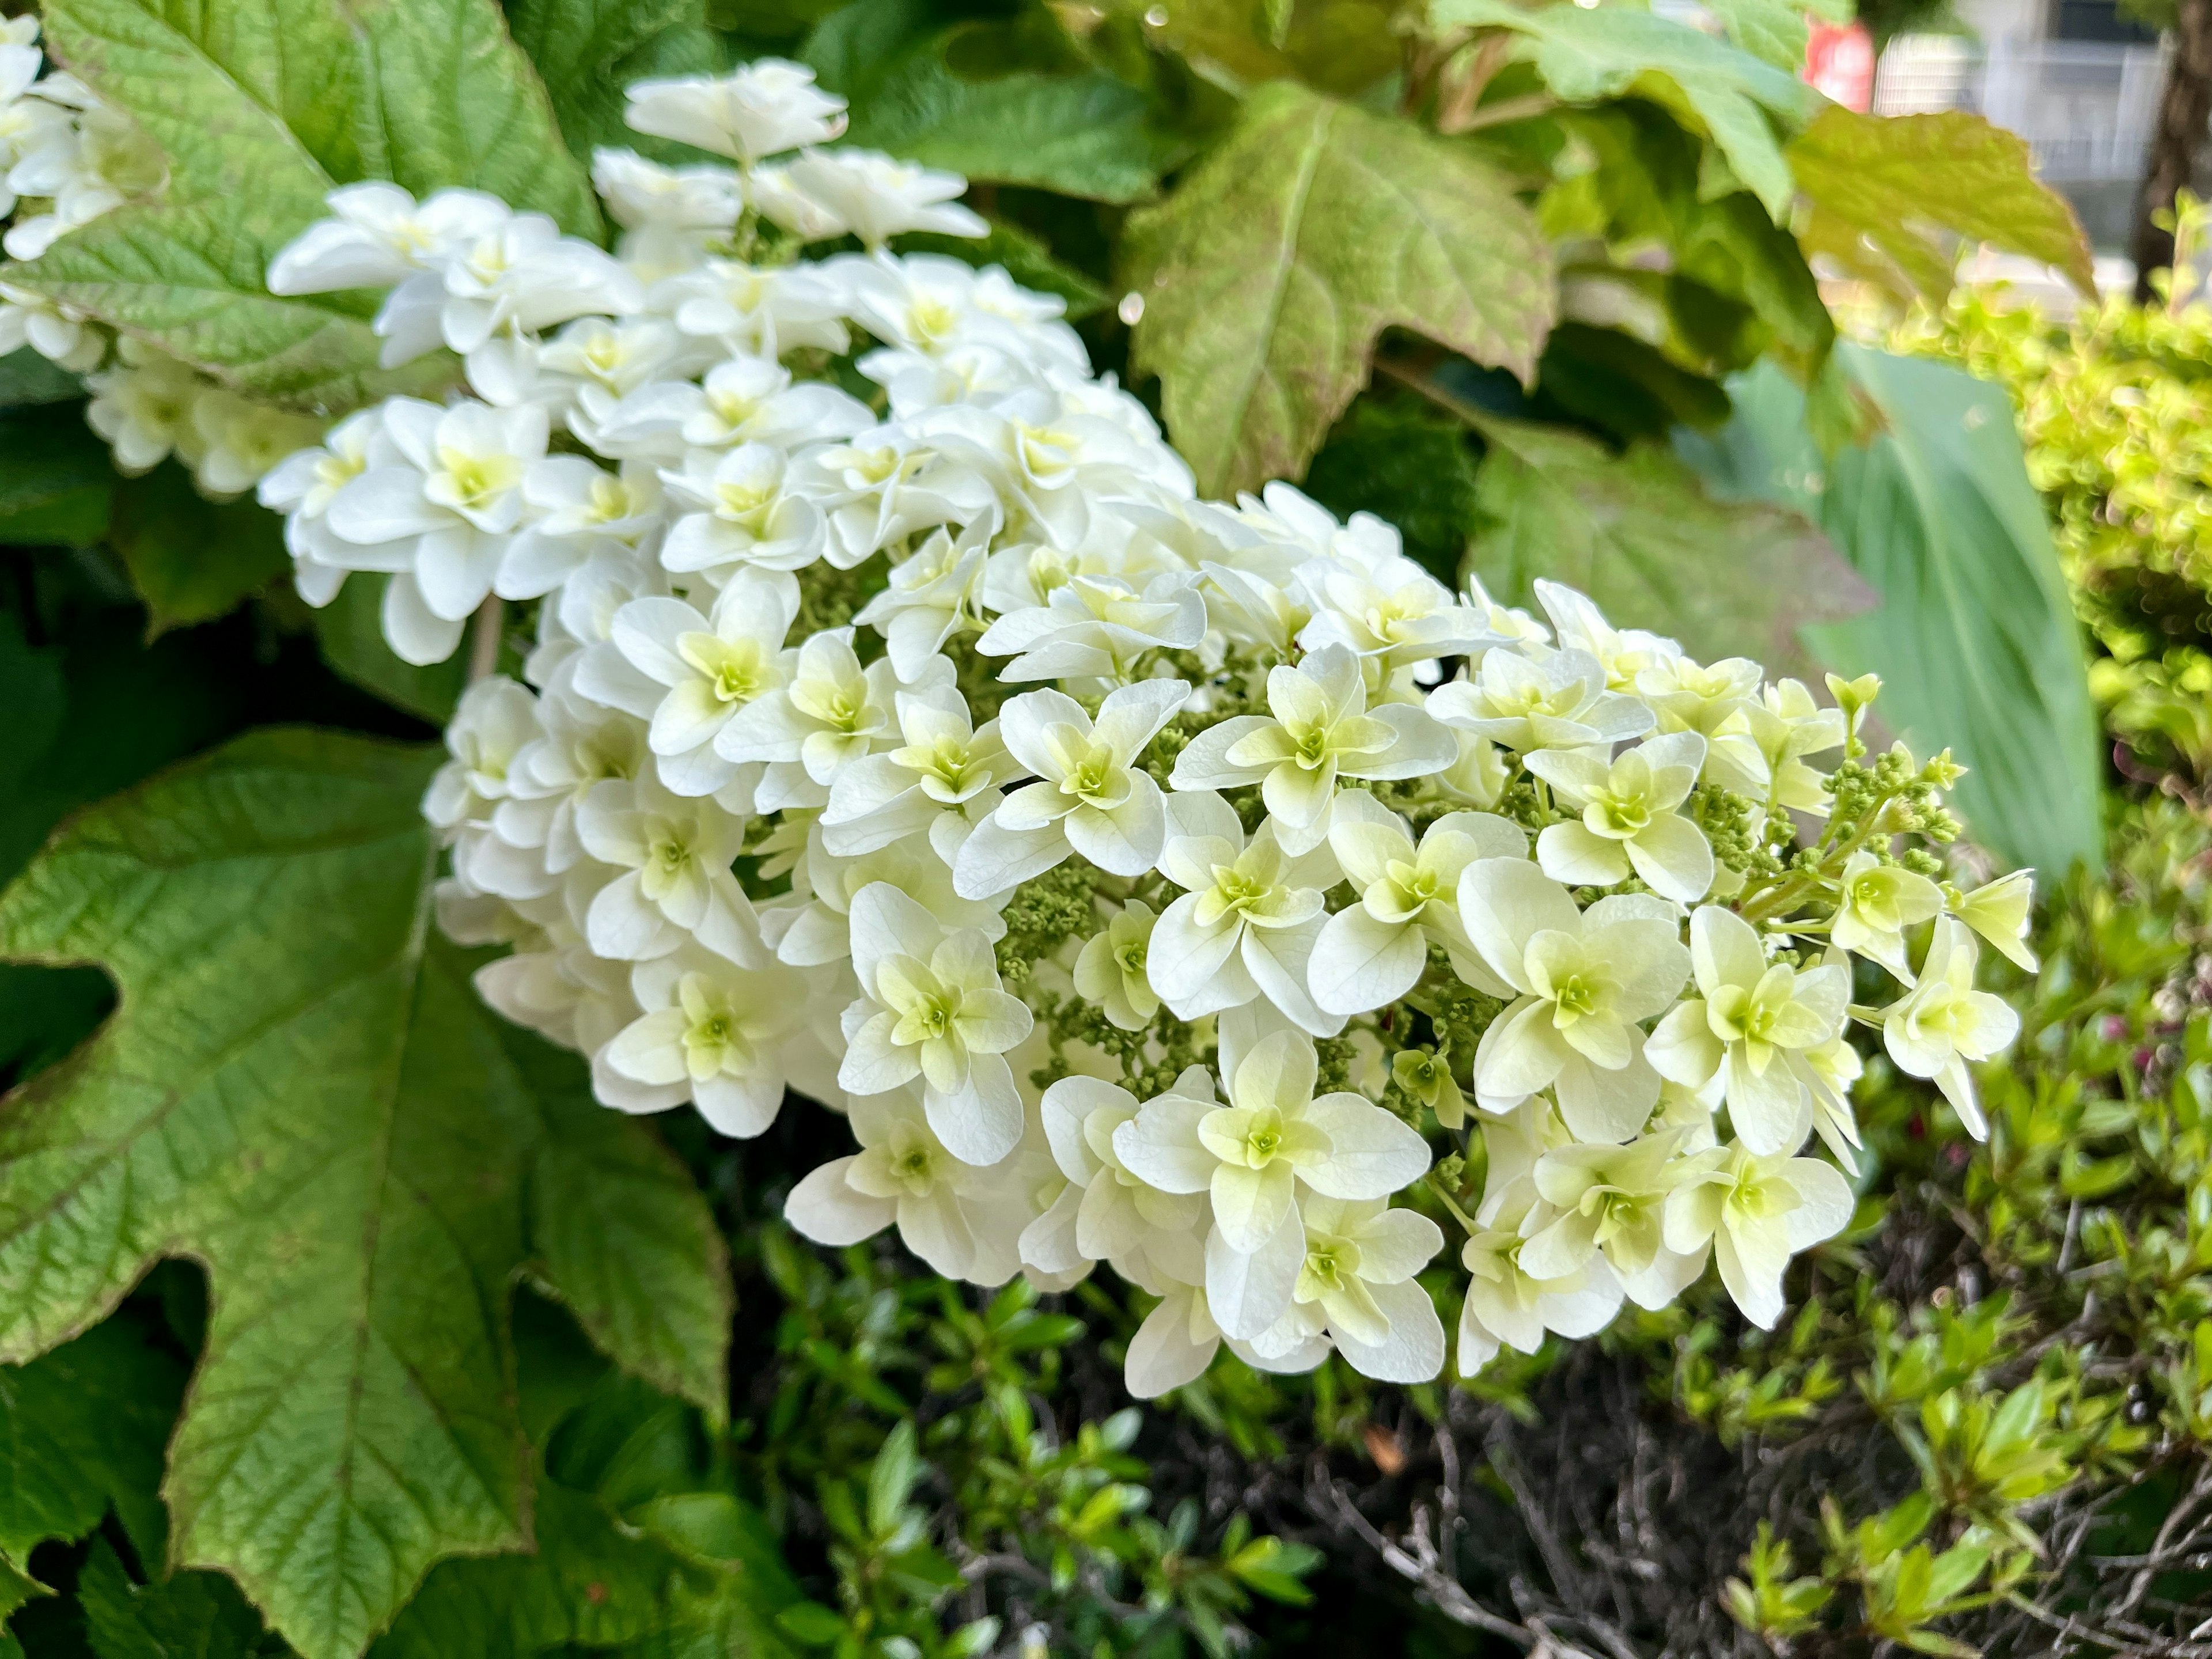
x,y
2075,78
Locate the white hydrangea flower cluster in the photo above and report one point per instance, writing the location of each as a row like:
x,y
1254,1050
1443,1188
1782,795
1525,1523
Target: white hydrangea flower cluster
x,y
1148,880
66,159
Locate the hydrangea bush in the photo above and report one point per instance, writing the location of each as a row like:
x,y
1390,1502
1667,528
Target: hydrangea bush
x,y
1148,880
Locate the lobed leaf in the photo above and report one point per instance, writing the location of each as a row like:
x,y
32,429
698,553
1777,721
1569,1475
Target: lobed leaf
x,y
300,1087
1882,194
1270,272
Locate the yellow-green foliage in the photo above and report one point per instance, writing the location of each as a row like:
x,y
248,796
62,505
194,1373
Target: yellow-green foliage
x,y
2116,409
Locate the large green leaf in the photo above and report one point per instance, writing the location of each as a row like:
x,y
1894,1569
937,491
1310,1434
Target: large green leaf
x,y
186,1615
1975,640
1268,274
1885,195
1639,534
300,1089
1588,54
1061,127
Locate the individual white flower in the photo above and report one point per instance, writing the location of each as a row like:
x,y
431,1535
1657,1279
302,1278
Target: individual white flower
x,y
760,311
1582,980
449,489
932,1007
1788,726
26,125
826,716
1560,702
516,276
1714,701
783,203
1049,461
58,333
1876,903
1175,1343
745,400
579,743
1109,969
670,216
1749,1024
946,1211
712,1033
1356,1285
1943,1022
813,928
377,236
935,592
1508,1306
144,408
1108,1211
577,508
1756,1212
494,719
675,856
690,675
2000,912
92,167
238,441
1318,729
944,767
1092,797
748,518
1373,951
302,486
1625,653
1248,924
606,359
1097,628
877,197
883,485
1629,822
770,105
1394,616
1253,1156
1602,1198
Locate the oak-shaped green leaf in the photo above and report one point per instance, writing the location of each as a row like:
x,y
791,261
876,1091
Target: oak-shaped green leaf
x,y
1587,55
1269,272
1885,195
301,1088
1974,638
1638,533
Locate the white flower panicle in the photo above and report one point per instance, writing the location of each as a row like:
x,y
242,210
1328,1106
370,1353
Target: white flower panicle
x,y
1150,881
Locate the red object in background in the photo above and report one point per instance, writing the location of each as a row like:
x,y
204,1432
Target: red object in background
x,y
1839,63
